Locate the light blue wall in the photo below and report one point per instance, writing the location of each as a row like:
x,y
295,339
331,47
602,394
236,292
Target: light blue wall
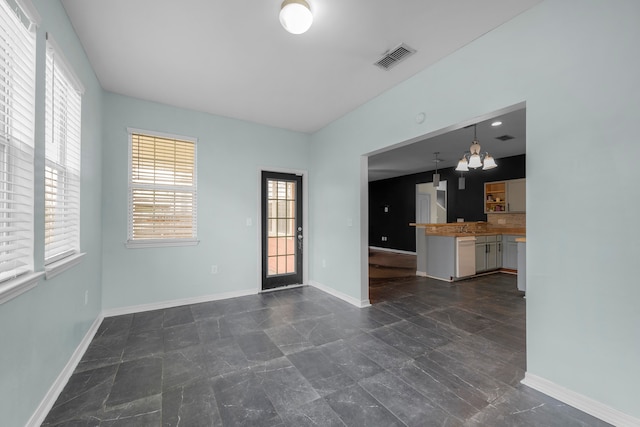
x,y
577,68
230,153
40,329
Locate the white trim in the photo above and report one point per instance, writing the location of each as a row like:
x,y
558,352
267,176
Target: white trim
x,y
170,242
282,288
421,273
579,401
30,11
364,230
351,300
21,284
55,268
162,134
159,243
38,417
440,278
64,64
175,303
305,220
395,251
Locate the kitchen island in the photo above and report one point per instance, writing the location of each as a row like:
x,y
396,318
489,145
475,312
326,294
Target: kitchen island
x,y
454,251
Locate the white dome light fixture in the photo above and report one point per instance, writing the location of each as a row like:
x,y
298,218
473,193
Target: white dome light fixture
x,y
295,16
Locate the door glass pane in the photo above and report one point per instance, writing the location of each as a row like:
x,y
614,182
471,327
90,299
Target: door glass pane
x,y
281,221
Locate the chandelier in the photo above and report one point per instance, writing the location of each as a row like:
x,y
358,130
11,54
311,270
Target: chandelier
x,y
475,158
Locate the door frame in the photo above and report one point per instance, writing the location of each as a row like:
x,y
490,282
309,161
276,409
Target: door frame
x,y
305,224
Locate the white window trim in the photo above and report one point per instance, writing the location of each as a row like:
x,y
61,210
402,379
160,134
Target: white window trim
x,y
51,270
160,243
30,11
65,65
20,108
21,284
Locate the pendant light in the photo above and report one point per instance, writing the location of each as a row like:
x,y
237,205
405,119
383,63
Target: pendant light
x,y
436,176
475,158
296,16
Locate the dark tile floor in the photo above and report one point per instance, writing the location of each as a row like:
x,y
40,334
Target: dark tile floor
x,y
430,353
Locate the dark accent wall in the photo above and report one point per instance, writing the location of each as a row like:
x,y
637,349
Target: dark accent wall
x,y
398,195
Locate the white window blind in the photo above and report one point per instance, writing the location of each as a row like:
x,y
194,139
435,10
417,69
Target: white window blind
x,y
17,111
62,158
162,188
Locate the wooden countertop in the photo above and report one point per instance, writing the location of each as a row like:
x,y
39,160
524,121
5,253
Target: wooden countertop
x,y
485,229
521,240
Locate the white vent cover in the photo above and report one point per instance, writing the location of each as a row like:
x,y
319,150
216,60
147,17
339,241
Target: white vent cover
x,y
394,56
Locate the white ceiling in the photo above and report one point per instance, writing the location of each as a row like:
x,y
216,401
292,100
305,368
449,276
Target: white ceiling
x,y
232,58
451,144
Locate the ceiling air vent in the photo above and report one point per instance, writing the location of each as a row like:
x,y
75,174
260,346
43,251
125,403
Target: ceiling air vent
x,y
395,55
505,137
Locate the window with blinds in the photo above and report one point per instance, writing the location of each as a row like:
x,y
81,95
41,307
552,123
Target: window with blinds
x,y
162,189
17,112
62,158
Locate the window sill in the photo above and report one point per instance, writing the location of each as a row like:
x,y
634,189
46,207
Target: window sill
x,y
138,244
55,268
14,287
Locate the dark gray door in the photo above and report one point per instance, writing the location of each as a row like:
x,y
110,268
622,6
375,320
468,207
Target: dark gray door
x,y
282,229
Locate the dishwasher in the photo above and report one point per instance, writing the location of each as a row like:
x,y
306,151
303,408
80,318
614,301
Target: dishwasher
x,y
465,256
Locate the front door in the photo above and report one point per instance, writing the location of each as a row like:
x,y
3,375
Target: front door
x,y
282,229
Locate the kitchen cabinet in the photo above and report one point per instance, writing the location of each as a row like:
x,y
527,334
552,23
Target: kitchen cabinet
x,y
505,196
487,249
495,195
510,254
441,257
516,195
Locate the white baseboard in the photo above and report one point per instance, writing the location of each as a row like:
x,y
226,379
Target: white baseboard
x,y
421,273
584,403
175,303
351,300
397,251
37,418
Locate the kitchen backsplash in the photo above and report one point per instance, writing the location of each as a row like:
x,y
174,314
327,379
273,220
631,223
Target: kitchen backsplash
x,y
507,220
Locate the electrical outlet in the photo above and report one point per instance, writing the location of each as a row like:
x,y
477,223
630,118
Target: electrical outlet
x,y
384,238
214,269
86,297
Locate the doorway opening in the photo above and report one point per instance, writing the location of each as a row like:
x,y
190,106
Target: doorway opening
x,y
395,174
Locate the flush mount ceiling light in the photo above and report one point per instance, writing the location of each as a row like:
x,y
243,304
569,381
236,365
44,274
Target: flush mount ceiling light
x,y
475,158
295,16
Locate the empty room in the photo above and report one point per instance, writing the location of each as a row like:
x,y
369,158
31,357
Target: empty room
x,y
203,202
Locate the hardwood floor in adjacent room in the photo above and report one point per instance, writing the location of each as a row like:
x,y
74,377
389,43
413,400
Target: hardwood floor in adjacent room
x,y
427,353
